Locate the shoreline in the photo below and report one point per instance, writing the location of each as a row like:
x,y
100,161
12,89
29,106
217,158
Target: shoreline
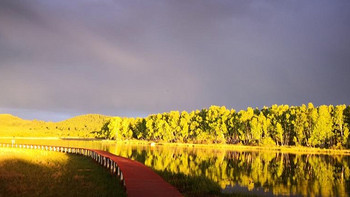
x,y
236,147
230,147
31,138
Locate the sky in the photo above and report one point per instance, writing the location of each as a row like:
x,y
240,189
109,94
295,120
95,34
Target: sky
x,y
128,58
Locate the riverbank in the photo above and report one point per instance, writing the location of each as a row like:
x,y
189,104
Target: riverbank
x,y
238,147
232,147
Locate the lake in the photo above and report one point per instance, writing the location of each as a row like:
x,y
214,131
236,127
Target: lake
x,y
264,173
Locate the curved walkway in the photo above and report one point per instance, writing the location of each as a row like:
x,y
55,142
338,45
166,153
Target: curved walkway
x,y
138,179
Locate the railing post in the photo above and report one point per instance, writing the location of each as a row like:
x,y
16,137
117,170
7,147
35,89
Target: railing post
x,y
121,176
112,167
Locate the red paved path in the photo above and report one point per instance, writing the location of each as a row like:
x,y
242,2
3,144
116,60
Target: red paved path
x,y
141,180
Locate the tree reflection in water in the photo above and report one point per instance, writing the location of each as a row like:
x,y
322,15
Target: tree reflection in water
x,y
273,172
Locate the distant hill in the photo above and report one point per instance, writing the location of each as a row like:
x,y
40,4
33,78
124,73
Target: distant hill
x,y
79,126
8,117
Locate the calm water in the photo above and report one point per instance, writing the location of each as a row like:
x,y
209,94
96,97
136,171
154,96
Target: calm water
x,y
260,173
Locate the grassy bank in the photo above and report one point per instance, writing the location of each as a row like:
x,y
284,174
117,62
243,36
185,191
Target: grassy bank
x,y
232,147
239,147
42,173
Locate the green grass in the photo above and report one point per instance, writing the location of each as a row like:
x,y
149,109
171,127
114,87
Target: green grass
x,y
26,172
197,186
240,147
191,185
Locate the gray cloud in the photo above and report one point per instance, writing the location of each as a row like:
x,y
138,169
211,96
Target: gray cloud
x,y
139,57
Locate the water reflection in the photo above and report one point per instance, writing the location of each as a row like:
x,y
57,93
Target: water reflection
x,y
276,173
252,172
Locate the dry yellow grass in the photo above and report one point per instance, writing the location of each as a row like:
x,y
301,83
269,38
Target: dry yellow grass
x,y
26,172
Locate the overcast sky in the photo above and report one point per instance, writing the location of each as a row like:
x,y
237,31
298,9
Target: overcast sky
x,y
132,58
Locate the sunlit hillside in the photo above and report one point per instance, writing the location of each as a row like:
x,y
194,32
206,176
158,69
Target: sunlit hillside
x,y
79,126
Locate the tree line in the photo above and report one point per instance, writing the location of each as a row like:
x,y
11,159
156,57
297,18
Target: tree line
x,y
324,126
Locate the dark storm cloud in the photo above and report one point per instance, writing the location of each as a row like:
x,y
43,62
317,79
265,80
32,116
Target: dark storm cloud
x,y
139,57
